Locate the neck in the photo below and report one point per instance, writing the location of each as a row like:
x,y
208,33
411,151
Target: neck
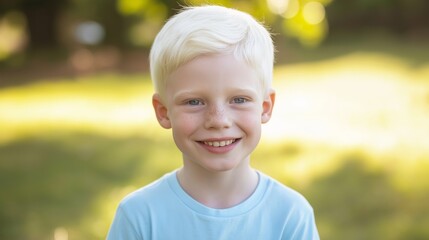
x,y
219,189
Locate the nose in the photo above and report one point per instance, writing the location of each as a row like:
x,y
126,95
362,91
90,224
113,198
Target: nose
x,y
217,118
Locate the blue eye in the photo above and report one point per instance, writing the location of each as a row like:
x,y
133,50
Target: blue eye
x,y
194,102
239,100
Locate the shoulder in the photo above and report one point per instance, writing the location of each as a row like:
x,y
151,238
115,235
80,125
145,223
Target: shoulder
x,y
135,212
146,196
291,209
280,194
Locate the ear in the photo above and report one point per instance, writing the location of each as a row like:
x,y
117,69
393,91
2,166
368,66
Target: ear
x,y
267,106
161,111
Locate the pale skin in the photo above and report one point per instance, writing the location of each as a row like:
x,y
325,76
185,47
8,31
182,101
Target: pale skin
x,y
215,106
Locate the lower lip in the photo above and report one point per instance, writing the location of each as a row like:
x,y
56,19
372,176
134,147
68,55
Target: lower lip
x,y
219,150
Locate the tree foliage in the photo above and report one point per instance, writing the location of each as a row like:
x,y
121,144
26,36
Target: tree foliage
x,y
134,23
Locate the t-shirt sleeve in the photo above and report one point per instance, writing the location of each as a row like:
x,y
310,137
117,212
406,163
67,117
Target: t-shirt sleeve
x,y
121,228
306,228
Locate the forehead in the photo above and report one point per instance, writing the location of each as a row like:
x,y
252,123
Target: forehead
x,y
214,68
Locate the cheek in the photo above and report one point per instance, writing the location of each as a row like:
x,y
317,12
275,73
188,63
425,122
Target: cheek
x,y
184,124
183,128
251,126
250,121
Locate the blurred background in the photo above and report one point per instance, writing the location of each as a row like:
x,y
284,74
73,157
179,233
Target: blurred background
x,y
350,128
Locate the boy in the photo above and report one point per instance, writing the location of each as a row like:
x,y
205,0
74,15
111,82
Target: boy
x,y
212,69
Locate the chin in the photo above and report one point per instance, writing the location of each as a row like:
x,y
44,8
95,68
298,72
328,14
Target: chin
x,y
221,167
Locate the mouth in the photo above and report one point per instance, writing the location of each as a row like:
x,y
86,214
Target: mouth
x,y
222,143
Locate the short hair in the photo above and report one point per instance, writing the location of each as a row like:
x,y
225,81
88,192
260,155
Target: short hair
x,y
205,30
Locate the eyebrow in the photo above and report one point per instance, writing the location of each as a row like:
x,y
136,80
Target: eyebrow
x,y
240,91
186,93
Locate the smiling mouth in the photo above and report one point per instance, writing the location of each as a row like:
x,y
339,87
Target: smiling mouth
x,y
219,143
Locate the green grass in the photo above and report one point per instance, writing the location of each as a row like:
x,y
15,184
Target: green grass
x,y
349,131
59,181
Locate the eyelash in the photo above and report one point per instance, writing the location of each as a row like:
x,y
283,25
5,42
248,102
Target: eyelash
x,y
235,100
192,102
241,100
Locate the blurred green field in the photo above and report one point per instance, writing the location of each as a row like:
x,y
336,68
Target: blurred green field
x,y
350,131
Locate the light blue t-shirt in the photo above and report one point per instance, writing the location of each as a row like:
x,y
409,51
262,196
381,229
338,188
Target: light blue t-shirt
x,y
164,211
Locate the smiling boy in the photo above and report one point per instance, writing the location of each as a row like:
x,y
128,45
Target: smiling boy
x,y
212,69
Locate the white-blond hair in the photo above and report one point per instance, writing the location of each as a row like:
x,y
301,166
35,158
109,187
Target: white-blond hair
x,y
203,30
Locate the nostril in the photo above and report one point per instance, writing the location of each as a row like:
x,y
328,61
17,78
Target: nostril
x,y
218,121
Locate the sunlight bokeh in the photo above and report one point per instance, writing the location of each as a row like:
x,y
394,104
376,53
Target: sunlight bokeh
x,y
278,6
292,9
305,20
12,32
313,12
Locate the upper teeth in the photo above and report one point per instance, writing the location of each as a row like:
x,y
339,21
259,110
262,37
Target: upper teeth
x,y
219,143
